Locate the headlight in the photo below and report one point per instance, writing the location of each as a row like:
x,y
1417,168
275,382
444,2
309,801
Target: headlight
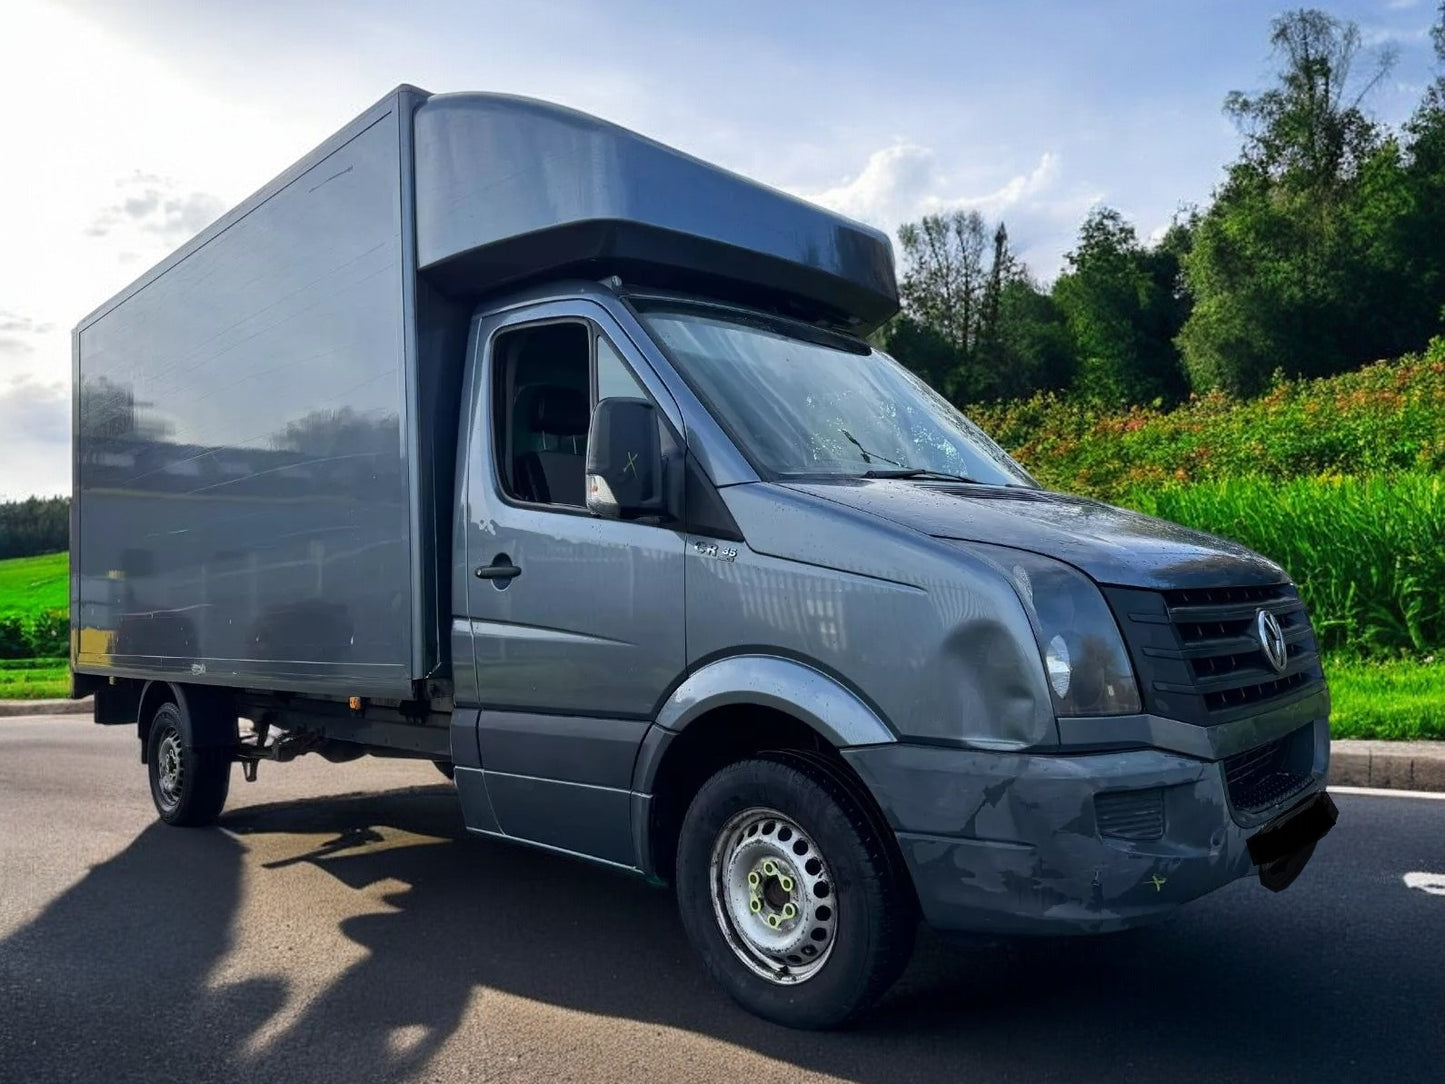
x,y
1083,654
1059,666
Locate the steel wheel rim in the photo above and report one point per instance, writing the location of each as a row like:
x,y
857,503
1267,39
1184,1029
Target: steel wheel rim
x,y
170,768
772,896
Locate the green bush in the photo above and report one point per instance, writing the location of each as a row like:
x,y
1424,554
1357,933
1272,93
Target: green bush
x,y
1385,418
1368,554
14,644
46,636
49,635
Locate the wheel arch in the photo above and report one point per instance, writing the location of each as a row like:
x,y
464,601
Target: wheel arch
x,y
790,686
739,707
209,714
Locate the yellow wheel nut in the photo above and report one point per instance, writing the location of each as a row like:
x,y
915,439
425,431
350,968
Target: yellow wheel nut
x,y
787,883
769,868
755,905
753,880
774,921
789,910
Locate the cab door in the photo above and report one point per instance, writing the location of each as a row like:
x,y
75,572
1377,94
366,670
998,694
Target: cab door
x,y
576,622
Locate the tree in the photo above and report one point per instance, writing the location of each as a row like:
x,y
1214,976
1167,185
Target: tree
x,y
34,526
943,283
1282,267
1124,306
1310,130
974,325
1035,348
1421,224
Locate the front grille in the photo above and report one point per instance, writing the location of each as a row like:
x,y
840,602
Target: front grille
x,y
1251,694
1262,778
1197,654
1130,814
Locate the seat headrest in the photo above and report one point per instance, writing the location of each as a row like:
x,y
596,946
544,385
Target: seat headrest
x,y
560,412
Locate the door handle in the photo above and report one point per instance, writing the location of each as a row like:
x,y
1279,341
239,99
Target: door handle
x,y
501,570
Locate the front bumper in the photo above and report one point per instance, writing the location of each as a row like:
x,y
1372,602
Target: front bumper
x,y
1012,842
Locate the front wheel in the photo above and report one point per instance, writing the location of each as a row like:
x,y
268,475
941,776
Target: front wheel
x,y
188,784
788,894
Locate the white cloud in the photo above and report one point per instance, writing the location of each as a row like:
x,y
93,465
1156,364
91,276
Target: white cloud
x,y
1016,190
889,189
35,418
13,323
18,334
153,205
905,181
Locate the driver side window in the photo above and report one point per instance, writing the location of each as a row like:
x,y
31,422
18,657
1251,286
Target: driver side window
x,y
547,378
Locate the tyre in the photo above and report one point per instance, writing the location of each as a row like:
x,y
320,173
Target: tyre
x,y
790,895
188,784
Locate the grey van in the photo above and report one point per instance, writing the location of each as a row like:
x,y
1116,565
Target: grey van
x,y
495,435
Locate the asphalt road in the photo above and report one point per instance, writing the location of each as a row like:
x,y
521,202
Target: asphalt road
x,y
342,927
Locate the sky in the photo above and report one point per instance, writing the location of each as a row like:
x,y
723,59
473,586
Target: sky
x,y
134,123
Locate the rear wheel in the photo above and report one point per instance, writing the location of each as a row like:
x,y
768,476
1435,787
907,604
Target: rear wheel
x,y
189,785
787,892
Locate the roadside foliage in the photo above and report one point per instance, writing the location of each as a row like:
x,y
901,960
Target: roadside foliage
x,y
1383,419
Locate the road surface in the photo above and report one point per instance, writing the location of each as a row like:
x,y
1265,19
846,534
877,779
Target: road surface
x,y
342,927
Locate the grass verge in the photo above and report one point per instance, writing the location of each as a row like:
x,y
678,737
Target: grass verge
x,y
34,679
1396,700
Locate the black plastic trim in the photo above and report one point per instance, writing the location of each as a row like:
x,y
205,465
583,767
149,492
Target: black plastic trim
x,y
588,820
588,750
117,703
705,513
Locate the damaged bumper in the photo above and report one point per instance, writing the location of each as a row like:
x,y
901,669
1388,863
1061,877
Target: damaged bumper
x,y
1082,843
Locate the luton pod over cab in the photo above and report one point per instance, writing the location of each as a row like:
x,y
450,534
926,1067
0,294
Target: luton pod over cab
x,y
496,435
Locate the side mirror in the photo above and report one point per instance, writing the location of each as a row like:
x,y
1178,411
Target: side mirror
x,y
624,460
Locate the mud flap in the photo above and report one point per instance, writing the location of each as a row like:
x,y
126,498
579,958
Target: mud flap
x,y
1283,847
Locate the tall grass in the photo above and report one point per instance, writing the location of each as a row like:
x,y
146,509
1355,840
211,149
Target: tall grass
x,y
1368,554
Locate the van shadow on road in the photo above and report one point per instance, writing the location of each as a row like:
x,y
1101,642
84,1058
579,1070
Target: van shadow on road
x,y
110,981
114,973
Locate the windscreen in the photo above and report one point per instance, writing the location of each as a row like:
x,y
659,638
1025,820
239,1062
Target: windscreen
x,y
800,408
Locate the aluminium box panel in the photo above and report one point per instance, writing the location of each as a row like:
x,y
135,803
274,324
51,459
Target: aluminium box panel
x,y
511,190
247,499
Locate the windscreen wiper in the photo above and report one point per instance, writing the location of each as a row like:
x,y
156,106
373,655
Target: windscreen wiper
x,y
868,456
920,472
